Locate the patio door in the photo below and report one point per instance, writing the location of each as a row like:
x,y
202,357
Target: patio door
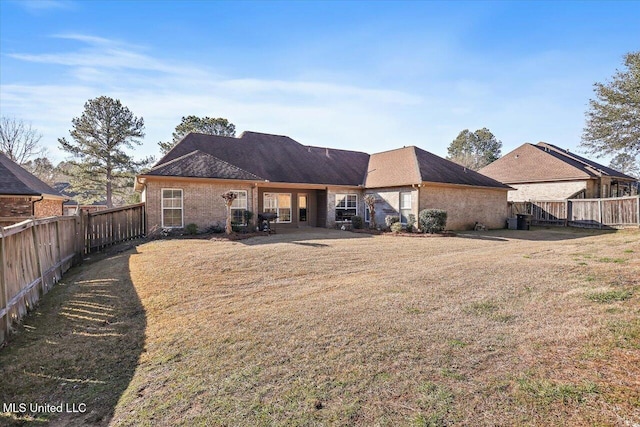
x,y
302,209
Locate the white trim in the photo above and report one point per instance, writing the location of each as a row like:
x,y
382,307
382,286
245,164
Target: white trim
x,y
401,208
162,208
278,221
246,205
345,204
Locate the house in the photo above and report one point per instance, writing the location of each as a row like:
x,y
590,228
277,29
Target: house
x,y
546,172
24,196
309,186
72,206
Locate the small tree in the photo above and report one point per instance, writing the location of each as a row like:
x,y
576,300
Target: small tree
x,y
432,220
18,140
228,197
370,201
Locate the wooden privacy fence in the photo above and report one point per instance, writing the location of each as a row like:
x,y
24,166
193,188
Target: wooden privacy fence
x,y
590,213
112,226
35,253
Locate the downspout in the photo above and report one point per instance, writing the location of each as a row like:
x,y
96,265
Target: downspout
x,y
33,205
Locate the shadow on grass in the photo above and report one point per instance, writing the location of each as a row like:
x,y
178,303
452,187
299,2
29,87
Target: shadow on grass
x,y
537,234
77,351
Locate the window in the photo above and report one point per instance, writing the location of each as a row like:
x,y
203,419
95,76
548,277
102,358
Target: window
x,y
405,207
279,204
346,206
239,207
302,208
172,208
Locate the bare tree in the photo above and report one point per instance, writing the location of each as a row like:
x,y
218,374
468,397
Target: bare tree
x,y
18,140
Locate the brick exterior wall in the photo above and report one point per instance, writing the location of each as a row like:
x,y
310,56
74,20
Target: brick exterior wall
x,y
465,206
15,207
550,190
331,204
388,202
48,207
202,202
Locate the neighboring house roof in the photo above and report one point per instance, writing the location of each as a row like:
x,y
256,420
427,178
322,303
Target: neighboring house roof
x,y
412,165
63,188
15,180
546,162
273,158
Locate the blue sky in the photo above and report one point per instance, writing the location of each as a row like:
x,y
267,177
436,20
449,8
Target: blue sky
x,y
368,76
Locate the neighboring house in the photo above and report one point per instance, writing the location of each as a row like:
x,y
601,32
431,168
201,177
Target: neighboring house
x,y
309,186
24,196
546,172
71,206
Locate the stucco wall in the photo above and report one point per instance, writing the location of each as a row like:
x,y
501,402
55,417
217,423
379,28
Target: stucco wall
x,y
202,202
465,205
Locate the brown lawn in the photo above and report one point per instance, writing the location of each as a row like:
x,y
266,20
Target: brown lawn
x,y
333,328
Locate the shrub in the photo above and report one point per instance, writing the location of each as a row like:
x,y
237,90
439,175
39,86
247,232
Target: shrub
x,y
411,222
356,222
247,217
396,227
215,228
433,220
391,219
191,229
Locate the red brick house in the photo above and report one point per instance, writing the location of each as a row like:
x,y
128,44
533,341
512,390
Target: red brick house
x,y
24,196
309,186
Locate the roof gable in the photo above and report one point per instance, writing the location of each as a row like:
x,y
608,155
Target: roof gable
x,y
277,158
545,162
15,180
393,168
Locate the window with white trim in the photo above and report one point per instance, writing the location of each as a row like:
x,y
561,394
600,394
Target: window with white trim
x,y
172,212
346,206
239,207
405,207
367,214
279,204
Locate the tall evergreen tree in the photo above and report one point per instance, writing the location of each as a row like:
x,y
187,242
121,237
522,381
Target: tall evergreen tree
x,y
100,135
613,118
207,125
474,150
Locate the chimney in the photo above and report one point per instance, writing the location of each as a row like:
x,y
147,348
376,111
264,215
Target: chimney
x,y
327,152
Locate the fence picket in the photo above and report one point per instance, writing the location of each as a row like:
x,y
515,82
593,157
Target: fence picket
x,y
39,251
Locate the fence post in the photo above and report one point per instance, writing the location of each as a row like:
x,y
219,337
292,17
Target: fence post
x,y
36,243
3,285
567,204
638,210
600,213
79,238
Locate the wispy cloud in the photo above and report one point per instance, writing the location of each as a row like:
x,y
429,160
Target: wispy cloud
x,y
44,5
315,112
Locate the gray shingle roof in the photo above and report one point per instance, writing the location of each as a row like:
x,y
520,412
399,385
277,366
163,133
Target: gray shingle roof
x,y
201,165
15,180
276,158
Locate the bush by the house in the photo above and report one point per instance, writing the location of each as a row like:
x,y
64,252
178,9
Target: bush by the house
x,y
191,229
432,220
391,219
411,222
396,227
215,228
356,222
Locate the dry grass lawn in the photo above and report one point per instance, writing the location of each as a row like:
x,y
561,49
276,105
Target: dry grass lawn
x,y
334,328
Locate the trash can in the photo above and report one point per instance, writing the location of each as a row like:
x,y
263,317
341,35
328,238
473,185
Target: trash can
x,y
524,221
512,223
